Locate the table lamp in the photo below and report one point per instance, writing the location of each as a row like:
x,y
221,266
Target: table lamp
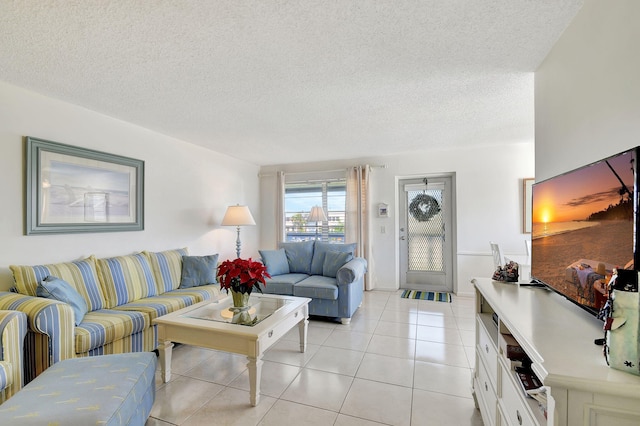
x,y
238,216
317,215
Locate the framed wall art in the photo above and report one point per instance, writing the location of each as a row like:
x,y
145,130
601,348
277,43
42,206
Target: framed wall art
x,y
383,210
71,189
527,184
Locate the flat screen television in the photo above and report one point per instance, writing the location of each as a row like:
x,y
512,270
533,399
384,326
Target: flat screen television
x,y
584,224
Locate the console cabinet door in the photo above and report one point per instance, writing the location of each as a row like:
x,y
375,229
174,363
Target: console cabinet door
x,y
605,410
512,401
487,345
485,394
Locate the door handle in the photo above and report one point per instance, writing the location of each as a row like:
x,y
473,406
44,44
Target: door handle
x,y
402,238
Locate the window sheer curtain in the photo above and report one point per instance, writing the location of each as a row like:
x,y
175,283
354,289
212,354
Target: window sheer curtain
x,y
357,214
280,181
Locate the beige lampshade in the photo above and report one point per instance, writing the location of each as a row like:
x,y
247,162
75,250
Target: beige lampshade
x,y
317,215
238,216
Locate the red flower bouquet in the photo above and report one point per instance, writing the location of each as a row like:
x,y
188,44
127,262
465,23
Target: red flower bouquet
x,y
242,275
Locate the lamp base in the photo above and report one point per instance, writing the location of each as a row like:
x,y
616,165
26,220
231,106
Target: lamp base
x,y
238,243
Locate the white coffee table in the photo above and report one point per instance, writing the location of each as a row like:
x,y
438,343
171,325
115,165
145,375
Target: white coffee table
x,y
208,325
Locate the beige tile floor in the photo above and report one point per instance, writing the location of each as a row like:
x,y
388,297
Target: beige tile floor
x,y
399,362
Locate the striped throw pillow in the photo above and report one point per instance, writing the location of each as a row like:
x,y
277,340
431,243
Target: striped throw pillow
x,y
167,268
81,275
126,278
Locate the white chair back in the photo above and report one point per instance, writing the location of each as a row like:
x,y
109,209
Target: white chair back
x,y
498,259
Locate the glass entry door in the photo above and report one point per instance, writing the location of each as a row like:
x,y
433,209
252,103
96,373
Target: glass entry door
x,y
426,249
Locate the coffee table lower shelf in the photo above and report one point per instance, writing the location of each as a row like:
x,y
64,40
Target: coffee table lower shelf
x,y
251,341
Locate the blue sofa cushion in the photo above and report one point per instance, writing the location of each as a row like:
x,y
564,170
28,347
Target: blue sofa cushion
x,y
283,284
275,261
171,301
157,306
333,261
199,270
58,289
299,255
317,287
203,292
321,249
105,326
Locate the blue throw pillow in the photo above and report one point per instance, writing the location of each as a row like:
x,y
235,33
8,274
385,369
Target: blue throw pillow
x,y
334,260
299,256
321,248
199,270
58,289
275,261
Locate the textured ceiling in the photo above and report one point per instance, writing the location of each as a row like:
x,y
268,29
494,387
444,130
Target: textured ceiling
x,y
281,81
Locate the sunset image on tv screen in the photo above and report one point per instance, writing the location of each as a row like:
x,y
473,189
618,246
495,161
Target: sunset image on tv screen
x,y
583,227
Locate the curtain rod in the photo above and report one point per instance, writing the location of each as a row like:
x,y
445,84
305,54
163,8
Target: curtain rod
x,y
375,166
317,181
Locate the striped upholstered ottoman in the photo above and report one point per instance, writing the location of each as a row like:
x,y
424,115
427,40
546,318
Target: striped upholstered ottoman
x,y
105,390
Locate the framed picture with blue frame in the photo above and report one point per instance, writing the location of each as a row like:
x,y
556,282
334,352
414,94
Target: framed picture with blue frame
x,y
71,189
527,185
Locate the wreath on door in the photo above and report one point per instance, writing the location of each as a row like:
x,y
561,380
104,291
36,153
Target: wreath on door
x,y
424,207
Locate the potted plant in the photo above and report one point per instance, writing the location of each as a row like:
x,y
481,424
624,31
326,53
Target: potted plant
x,y
242,276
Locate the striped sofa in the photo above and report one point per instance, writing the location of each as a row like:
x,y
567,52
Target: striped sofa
x,y
123,295
13,328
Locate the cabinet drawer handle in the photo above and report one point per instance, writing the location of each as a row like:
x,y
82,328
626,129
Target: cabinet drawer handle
x,y
296,315
519,417
486,387
270,333
486,348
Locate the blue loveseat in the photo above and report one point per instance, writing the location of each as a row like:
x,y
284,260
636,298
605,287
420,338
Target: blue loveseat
x,y
327,273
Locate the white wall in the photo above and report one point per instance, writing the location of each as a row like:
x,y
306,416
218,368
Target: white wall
x,y
587,91
488,199
187,188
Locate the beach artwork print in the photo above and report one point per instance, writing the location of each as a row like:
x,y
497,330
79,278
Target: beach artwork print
x,y
71,189
76,190
583,227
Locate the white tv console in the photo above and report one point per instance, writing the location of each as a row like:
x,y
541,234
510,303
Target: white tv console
x,y
558,337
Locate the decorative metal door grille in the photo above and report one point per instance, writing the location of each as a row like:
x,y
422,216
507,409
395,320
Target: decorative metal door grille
x,y
425,230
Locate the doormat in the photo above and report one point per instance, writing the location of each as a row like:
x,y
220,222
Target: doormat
x,y
426,295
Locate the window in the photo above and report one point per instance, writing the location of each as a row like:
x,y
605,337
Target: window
x,y
300,197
